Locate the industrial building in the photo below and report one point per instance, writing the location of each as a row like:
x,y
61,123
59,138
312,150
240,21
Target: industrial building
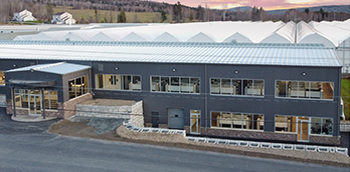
x,y
272,92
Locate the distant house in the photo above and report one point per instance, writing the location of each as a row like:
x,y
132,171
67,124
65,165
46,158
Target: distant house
x,y
23,16
62,18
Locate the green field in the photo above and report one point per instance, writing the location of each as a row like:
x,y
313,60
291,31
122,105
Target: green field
x,y
345,93
105,16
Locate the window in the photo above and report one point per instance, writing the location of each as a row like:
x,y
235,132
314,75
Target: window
x,y
155,83
51,99
285,123
77,87
2,78
237,87
175,84
321,126
118,82
237,120
305,89
22,96
215,86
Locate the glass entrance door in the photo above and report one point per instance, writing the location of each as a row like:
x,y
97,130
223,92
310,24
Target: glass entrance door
x,y
195,123
34,104
303,129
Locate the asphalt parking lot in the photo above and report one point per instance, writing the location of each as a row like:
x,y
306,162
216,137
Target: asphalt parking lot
x,y
28,147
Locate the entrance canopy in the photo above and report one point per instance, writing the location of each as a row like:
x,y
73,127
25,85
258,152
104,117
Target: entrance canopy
x,y
32,83
60,68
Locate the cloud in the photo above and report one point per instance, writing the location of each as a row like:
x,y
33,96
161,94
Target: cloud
x,y
266,4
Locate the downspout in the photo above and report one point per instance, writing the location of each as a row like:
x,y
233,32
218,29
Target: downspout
x,y
206,96
13,101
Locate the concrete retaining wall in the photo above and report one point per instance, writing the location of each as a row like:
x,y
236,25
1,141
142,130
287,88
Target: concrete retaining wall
x,y
136,117
132,114
70,105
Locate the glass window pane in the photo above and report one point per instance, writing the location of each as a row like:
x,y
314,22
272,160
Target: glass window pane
x,y
292,124
215,86
258,122
248,87
315,125
293,90
99,81
281,123
258,89
2,78
236,87
71,88
237,120
85,84
303,88
185,85
155,83
174,84
24,99
225,120
78,87
195,85
226,86
127,83
165,84
281,88
136,83
248,121
327,127
327,89
315,90
215,119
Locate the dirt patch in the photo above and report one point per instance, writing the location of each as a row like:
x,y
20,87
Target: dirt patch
x,y
81,129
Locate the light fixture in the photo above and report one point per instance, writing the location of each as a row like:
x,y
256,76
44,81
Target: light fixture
x,y
116,68
174,70
236,71
303,73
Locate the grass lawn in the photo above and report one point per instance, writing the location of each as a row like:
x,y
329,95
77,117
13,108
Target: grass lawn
x,y
103,15
345,93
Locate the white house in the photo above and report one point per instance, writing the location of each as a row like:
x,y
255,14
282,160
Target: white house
x,y
63,18
23,16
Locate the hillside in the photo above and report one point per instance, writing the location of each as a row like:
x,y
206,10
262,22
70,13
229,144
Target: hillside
x,y
330,8
108,16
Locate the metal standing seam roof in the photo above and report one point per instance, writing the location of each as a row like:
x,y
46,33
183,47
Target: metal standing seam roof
x,y
60,68
203,53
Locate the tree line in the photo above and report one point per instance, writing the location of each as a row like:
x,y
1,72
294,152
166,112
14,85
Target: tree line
x,y
43,10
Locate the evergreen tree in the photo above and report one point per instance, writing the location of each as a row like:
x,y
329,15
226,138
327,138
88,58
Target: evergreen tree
x,y
163,16
122,17
177,9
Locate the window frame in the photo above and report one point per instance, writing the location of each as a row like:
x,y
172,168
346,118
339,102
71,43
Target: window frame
x,y
286,132
3,77
307,99
75,91
242,116
122,82
175,76
322,118
241,89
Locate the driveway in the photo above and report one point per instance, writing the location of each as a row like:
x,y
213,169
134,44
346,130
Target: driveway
x,y
27,147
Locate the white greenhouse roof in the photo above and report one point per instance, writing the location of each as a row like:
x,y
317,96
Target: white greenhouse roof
x,y
145,52
331,34
60,68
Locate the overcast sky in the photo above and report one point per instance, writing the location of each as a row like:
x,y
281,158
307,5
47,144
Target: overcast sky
x,y
266,4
